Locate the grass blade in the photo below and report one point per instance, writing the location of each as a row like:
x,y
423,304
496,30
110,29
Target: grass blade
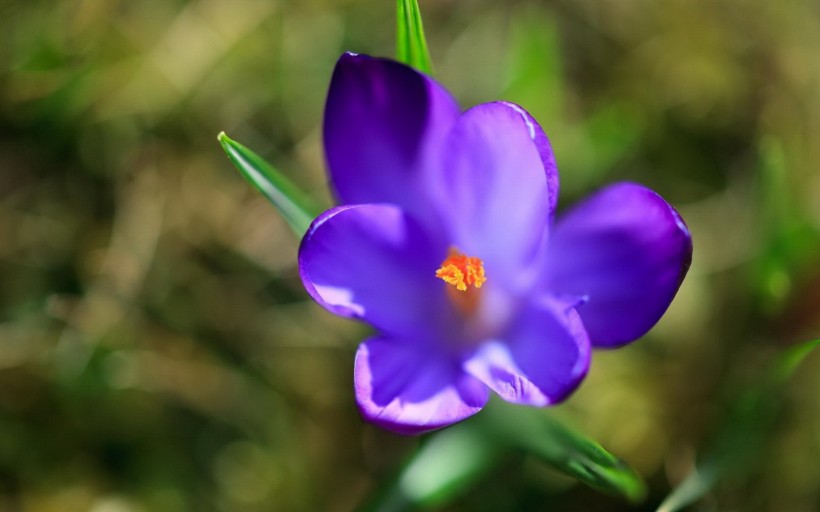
x,y
452,461
411,46
535,432
294,206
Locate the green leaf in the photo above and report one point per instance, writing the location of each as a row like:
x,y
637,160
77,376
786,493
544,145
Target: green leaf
x,y
453,460
294,206
744,434
537,433
411,46
448,463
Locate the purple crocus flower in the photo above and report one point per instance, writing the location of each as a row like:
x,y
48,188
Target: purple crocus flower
x,y
445,243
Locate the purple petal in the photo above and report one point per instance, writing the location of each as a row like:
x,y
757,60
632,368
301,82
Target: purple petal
x,y
408,387
627,251
373,262
540,361
384,122
497,189
544,148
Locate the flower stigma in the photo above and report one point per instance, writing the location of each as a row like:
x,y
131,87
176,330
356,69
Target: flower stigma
x,y
460,270
466,275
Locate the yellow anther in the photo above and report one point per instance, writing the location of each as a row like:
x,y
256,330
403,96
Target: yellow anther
x,y
461,271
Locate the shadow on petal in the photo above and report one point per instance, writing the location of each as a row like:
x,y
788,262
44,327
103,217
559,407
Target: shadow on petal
x,y
542,359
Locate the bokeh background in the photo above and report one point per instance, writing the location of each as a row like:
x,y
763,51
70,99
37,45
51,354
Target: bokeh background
x,y
158,353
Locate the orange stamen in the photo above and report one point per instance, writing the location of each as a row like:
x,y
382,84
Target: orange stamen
x,y
461,271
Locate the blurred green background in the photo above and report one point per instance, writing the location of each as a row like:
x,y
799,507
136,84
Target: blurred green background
x,y
157,350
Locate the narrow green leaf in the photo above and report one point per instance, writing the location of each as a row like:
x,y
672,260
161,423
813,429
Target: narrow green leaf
x,y
448,463
535,432
744,434
411,46
453,460
294,206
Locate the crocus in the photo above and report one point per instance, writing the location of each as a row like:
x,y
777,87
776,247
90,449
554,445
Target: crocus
x,y
444,242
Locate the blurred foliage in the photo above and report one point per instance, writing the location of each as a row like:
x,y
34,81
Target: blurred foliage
x,y
157,351
747,424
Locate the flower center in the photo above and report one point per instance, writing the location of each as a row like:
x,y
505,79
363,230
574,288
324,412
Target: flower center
x,y
461,272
